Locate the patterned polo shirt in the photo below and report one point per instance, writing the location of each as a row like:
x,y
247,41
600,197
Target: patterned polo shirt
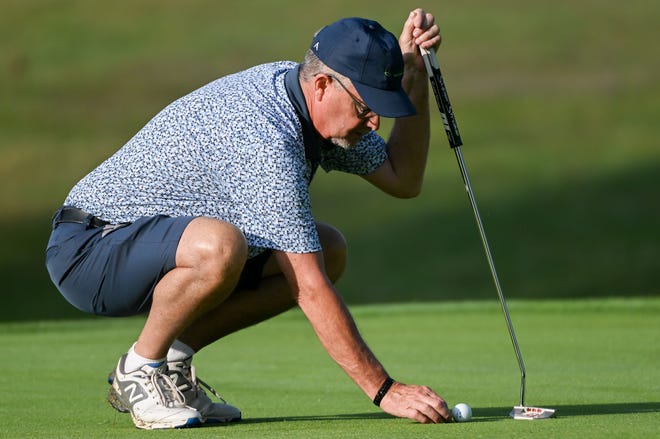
x,y
233,150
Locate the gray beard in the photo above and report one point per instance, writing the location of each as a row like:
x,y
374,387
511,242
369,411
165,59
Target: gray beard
x,y
342,143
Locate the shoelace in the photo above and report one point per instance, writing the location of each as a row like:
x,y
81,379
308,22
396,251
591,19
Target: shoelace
x,y
195,381
212,390
169,394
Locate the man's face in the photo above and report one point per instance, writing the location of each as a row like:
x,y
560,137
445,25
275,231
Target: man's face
x,y
343,117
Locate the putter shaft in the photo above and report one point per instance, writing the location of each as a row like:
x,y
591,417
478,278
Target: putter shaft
x,y
451,129
493,272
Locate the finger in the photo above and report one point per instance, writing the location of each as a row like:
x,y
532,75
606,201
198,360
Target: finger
x,y
445,413
426,20
420,18
426,413
430,38
418,414
429,21
409,24
437,403
429,406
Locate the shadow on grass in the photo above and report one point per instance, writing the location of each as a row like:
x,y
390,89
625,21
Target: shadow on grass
x,y
481,414
338,417
571,410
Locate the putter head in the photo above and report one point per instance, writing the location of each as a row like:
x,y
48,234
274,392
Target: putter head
x,y
531,413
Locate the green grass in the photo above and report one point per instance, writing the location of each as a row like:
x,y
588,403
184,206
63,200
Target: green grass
x,y
595,361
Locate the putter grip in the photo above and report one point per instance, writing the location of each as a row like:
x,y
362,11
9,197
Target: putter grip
x,y
441,97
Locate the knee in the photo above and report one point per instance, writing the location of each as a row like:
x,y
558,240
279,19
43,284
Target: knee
x,y
334,250
216,249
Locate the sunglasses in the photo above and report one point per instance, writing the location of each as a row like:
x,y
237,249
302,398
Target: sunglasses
x,y
362,111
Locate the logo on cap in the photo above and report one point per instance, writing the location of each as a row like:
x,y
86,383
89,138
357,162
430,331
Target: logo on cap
x,y
390,74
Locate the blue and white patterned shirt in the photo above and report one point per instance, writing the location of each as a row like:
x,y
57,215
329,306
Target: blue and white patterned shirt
x,y
233,150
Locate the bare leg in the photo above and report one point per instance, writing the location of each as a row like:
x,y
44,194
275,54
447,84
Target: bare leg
x,y
209,259
248,307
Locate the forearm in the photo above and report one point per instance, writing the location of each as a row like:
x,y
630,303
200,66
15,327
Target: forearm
x,y
408,143
330,319
340,337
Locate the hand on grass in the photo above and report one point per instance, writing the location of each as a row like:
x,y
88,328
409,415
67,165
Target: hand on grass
x,y
419,403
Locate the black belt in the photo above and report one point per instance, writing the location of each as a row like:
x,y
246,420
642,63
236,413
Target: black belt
x,y
78,216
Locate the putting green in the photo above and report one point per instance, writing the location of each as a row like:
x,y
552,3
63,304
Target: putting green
x,y
593,361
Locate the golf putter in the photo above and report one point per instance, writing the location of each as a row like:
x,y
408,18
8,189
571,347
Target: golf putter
x,y
451,128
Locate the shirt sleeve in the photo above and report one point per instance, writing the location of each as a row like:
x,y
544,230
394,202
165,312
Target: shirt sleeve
x,y
361,159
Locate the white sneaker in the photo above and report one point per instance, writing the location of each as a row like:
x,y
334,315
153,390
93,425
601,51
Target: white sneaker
x,y
152,399
182,374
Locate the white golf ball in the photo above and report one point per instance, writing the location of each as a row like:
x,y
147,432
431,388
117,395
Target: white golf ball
x,y
461,412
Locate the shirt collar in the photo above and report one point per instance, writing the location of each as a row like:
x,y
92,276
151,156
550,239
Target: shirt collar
x,y
295,93
310,137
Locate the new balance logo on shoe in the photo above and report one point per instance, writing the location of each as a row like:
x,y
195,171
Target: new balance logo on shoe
x,y
135,394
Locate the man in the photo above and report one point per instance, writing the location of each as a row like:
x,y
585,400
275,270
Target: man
x,y
203,219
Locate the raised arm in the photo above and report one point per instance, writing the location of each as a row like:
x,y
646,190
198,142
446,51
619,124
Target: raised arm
x,y
401,175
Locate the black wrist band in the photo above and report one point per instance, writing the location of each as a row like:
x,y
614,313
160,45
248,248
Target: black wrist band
x,y
383,391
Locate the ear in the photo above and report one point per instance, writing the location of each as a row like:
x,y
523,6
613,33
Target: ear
x,y
321,83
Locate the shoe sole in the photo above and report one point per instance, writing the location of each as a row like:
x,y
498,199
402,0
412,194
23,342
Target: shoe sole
x,y
190,423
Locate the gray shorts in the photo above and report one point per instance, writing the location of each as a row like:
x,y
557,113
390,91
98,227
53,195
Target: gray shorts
x,y
112,270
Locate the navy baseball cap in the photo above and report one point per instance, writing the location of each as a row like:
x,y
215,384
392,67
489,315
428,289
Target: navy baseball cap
x,y
370,56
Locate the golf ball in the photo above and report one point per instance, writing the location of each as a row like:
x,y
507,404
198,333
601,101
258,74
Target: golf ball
x,y
461,412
